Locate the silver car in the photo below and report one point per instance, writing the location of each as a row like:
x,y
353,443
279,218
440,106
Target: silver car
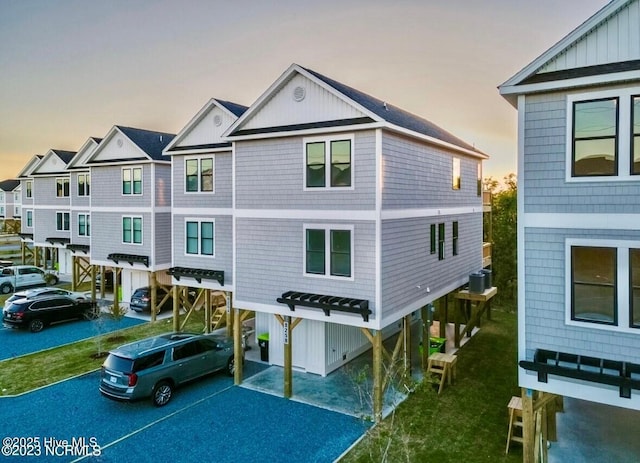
x,y
155,366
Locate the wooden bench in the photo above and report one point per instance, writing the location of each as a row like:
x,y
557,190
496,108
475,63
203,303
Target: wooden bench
x,y
443,365
515,421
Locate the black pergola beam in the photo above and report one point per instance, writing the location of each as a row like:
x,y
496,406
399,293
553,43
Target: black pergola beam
x,y
79,247
53,240
130,258
198,274
326,303
591,369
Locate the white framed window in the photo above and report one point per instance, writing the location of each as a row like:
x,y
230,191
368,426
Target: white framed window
x,y
199,174
328,162
28,188
132,230
132,180
84,184
602,287
328,251
2,196
456,177
29,218
2,211
199,237
16,211
601,136
84,224
62,187
62,221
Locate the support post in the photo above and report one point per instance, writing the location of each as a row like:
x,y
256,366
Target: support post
x,y
23,253
116,289
103,281
425,337
406,331
207,311
288,357
377,376
238,350
528,426
93,283
231,314
176,307
153,284
74,273
443,315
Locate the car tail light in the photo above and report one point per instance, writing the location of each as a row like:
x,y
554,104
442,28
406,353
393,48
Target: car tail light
x,y
133,379
18,314
145,299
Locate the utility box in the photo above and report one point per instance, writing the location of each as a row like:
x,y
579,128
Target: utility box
x,y
263,342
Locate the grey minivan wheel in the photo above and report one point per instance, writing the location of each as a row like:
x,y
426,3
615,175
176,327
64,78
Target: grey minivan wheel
x,y
162,393
36,325
6,288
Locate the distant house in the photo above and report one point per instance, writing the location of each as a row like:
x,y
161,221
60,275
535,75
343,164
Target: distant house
x,y
349,214
8,190
130,206
578,211
51,222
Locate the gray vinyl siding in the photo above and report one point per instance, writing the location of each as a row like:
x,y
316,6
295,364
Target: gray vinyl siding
x,y
421,175
407,260
107,187
44,225
162,185
106,235
270,258
221,198
46,192
270,174
545,326
78,201
545,163
223,242
162,241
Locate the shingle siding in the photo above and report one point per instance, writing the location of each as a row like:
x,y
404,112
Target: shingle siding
x,y
270,173
270,255
106,235
417,175
407,261
112,196
162,242
545,326
222,196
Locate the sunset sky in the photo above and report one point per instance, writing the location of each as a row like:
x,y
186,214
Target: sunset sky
x,y
71,69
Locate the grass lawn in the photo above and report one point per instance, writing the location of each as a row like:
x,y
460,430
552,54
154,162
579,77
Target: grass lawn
x,y
468,421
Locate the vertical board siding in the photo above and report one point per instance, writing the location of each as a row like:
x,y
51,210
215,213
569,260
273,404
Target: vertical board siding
x,y
419,175
223,237
343,341
545,163
407,261
270,175
545,326
270,258
222,198
206,131
615,40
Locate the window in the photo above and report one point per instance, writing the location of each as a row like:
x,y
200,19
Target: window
x,y
335,152
2,196
456,174
634,267
16,211
595,135
84,225
328,251
62,187
199,238
132,230
593,284
199,175
29,188
433,238
455,238
29,219
479,186
132,181
635,132
62,221
84,183
440,241
2,211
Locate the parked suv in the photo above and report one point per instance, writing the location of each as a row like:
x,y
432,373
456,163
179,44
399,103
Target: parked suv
x,y
141,300
155,366
39,312
46,291
21,276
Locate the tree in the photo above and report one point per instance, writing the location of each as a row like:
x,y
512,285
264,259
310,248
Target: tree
x,y
504,214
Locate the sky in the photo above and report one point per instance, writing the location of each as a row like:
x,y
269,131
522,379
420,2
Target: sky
x,y
72,69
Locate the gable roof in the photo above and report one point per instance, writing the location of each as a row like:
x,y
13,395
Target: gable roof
x,y
580,70
30,166
234,110
152,143
376,112
83,153
48,165
9,184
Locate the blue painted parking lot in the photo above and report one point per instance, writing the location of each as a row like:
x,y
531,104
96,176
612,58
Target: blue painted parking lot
x,y
210,420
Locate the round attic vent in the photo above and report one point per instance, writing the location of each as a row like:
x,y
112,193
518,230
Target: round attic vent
x,y
217,120
299,93
119,142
